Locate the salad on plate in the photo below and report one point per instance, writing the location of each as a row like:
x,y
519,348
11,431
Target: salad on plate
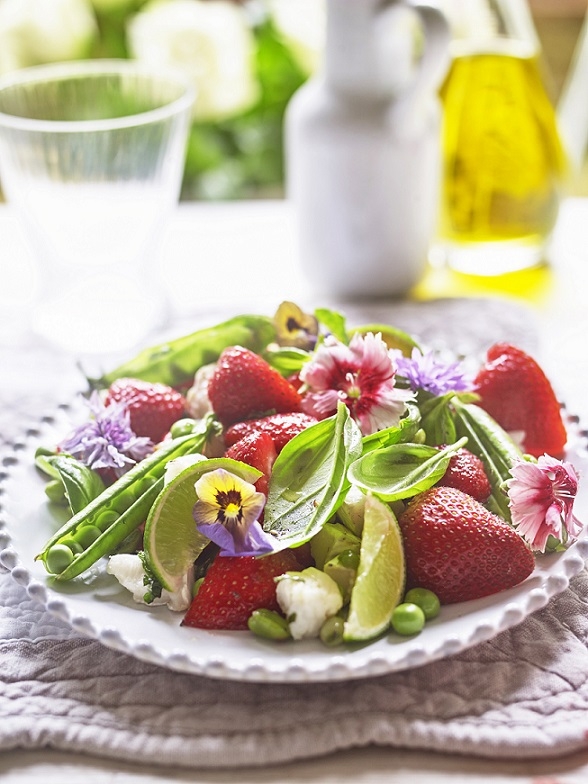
x,y
294,477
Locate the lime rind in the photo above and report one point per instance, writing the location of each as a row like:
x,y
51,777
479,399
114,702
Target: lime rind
x,y
380,581
171,540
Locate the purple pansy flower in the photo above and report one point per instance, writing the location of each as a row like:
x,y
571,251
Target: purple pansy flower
x,y
106,440
227,512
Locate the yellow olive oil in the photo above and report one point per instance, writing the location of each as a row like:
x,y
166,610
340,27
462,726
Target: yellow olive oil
x,y
503,161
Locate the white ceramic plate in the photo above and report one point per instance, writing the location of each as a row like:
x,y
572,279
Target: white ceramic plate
x,y
96,606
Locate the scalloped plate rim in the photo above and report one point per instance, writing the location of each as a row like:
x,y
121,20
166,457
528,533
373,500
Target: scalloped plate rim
x,y
238,655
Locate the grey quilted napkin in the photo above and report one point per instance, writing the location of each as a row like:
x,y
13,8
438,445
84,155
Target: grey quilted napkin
x,y
523,694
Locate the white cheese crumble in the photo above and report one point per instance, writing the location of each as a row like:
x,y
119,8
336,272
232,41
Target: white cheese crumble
x,y
128,570
307,599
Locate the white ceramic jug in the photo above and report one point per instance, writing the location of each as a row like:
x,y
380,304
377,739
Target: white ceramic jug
x,y
362,143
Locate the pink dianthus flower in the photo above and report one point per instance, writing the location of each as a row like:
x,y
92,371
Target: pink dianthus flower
x,y
541,500
362,375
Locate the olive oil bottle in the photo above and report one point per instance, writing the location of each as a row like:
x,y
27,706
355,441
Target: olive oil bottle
x,y
503,162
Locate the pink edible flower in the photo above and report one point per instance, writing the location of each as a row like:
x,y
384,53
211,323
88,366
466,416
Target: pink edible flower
x,y
362,375
541,500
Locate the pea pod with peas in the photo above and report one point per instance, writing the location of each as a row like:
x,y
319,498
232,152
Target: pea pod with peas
x,y
102,525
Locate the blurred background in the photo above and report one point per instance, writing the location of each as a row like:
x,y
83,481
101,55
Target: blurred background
x,y
246,58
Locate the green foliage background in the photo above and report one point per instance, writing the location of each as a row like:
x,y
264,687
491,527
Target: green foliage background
x,y
240,157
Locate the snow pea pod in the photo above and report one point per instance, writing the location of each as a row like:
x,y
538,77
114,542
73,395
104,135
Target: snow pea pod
x,y
101,526
495,448
175,362
80,483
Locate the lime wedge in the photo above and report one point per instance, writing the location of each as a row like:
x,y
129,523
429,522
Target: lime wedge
x,y
392,337
171,540
379,585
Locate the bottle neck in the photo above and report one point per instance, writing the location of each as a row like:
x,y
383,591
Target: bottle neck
x,y
490,24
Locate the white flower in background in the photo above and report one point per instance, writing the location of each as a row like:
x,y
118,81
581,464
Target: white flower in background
x,y
301,23
211,42
33,32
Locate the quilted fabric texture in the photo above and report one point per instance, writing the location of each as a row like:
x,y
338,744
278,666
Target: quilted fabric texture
x,y
523,694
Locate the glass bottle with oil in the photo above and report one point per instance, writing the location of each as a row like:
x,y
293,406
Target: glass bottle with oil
x,y
503,161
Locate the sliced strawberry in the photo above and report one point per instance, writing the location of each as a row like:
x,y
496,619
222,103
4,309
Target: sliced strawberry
x,y
515,391
245,386
466,472
280,427
256,449
458,549
235,586
153,407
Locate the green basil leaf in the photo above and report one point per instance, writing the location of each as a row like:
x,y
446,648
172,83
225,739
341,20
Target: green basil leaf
x,y
286,360
81,483
334,322
437,421
403,432
401,470
309,478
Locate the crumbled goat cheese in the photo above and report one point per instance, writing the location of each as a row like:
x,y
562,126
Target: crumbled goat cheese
x,y
307,599
128,570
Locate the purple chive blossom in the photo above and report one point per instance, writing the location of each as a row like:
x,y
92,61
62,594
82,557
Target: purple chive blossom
x,y
106,439
432,374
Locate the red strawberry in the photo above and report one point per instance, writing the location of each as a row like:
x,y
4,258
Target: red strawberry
x,y
281,428
234,586
466,472
515,391
245,386
257,450
458,549
153,407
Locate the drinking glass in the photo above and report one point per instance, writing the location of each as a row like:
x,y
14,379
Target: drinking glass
x,y
91,159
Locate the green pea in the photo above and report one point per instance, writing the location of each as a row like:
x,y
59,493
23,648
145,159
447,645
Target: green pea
x,y
331,633
183,427
74,546
426,600
87,535
123,500
105,519
144,484
408,619
55,492
349,558
268,624
58,558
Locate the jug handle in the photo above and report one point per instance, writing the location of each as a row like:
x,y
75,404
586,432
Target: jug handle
x,y
430,71
572,109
